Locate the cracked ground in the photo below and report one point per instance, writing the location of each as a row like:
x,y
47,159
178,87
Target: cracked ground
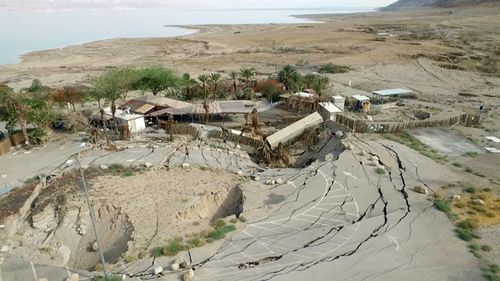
x,y
336,219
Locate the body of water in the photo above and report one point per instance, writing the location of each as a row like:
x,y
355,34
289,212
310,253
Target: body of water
x,y
25,31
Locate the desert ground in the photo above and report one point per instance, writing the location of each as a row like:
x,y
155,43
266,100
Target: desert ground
x,y
354,213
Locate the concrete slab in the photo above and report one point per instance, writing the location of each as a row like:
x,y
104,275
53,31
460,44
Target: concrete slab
x,y
445,141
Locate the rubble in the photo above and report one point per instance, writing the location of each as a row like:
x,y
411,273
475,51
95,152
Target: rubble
x,y
420,189
73,277
174,266
478,202
157,270
103,167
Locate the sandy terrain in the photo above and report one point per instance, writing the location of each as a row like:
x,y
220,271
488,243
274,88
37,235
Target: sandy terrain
x,y
425,46
161,207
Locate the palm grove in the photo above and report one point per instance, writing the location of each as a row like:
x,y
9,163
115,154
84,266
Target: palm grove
x,y
35,106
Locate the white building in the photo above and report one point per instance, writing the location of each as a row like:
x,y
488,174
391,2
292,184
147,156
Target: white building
x,y
135,122
339,102
328,111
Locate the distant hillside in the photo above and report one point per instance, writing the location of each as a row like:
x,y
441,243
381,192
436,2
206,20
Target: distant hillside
x,y
409,4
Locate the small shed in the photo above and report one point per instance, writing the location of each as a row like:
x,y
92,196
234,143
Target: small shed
x,y
339,101
328,111
362,103
135,122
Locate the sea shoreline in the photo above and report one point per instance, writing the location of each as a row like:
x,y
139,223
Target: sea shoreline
x,y
190,29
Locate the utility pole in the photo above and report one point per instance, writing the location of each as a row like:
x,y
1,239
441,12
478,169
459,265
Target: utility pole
x,y
92,218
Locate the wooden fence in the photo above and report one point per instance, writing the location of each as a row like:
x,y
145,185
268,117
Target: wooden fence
x,y
235,138
362,126
13,140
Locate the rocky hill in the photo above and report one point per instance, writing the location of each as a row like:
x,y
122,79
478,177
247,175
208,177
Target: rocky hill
x,y
410,4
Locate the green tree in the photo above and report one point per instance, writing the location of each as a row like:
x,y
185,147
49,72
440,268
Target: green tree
x,y
214,81
234,78
203,78
291,78
114,85
186,84
247,74
16,111
156,79
23,109
69,95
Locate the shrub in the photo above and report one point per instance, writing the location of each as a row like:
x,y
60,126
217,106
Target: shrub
x,y
195,242
233,220
333,68
220,232
471,154
243,219
486,248
466,224
173,248
459,205
219,223
470,189
442,205
209,240
157,252
116,167
464,234
473,247
380,171
490,214
217,234
128,173
458,165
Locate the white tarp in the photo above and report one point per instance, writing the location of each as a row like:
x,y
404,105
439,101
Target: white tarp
x,y
493,139
492,149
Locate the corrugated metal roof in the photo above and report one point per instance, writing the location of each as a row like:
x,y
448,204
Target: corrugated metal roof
x,y
330,107
163,101
393,92
144,109
235,107
361,98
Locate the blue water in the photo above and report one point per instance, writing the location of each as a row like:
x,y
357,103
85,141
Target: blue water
x,y
25,31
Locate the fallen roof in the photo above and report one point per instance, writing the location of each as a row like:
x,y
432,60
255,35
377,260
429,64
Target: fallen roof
x,y
144,109
361,98
330,107
236,107
294,130
393,92
163,101
122,115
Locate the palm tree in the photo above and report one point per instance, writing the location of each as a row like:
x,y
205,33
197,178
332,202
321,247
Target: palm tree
x,y
214,80
247,74
319,84
203,78
186,82
17,111
234,77
290,77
